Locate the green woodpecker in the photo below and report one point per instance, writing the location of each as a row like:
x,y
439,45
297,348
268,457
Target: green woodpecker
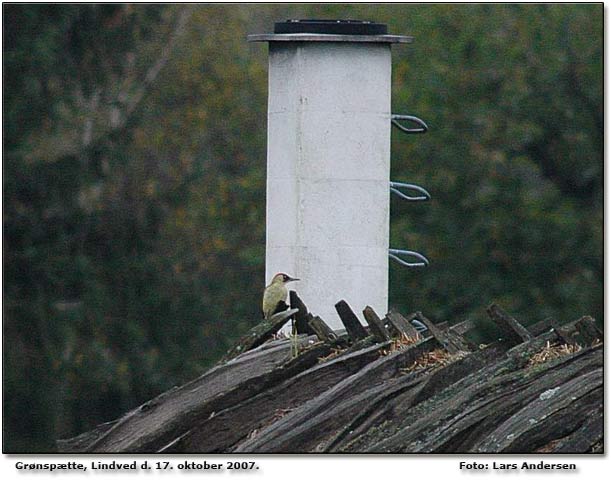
x,y
275,294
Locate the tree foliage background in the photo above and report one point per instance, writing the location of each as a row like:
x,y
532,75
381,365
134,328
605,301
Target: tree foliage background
x,y
134,185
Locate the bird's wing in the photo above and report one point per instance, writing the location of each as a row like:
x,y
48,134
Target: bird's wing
x,y
268,297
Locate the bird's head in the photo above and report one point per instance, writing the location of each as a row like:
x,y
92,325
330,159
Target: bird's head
x,y
282,278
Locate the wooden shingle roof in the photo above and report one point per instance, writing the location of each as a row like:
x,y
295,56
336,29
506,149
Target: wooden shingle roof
x,y
380,389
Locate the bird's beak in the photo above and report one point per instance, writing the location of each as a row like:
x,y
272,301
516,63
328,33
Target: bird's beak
x,y
291,279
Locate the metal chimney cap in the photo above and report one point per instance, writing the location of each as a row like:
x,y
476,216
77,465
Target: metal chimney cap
x,y
327,26
313,30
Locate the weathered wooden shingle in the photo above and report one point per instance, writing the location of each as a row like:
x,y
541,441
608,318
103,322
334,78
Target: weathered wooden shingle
x,y
369,393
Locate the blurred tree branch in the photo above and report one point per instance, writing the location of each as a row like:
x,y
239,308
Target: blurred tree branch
x,y
103,104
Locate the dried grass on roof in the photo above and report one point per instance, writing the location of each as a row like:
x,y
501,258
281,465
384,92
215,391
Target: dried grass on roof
x,y
434,358
335,352
400,343
552,351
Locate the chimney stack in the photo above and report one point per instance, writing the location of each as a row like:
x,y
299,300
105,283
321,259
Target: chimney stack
x,y
328,161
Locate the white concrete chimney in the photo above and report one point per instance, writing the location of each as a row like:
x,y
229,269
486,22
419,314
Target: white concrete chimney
x,y
328,162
